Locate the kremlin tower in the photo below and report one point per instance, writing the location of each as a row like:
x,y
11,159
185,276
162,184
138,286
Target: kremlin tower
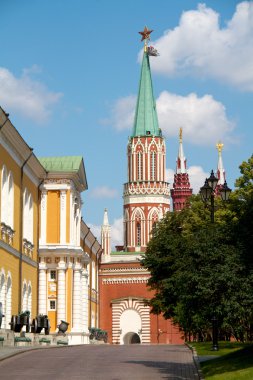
x,y
124,312
181,187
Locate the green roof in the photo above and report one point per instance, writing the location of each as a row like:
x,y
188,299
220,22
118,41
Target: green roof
x,y
61,164
146,120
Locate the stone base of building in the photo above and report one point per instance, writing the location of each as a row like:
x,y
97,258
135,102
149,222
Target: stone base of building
x,y
10,339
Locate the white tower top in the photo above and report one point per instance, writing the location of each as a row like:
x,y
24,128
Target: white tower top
x,y
220,168
181,161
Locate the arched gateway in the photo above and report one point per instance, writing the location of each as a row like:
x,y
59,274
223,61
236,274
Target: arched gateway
x,y
130,321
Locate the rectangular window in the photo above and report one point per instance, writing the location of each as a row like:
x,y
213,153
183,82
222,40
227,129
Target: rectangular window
x,y
52,274
52,305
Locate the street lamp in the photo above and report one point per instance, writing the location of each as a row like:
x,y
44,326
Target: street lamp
x,y
207,193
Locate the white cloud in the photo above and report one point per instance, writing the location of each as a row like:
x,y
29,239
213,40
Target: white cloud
x,y
25,95
104,192
116,232
197,177
199,45
123,113
203,119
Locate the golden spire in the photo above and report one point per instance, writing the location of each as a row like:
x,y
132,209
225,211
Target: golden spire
x,y
219,146
181,134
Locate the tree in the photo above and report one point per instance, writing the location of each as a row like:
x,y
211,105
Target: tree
x,y
196,271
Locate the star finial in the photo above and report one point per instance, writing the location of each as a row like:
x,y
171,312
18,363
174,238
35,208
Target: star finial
x,y
219,146
145,34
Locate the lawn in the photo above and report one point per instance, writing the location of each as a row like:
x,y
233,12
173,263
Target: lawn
x,y
235,361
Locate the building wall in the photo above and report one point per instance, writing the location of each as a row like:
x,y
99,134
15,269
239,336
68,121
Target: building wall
x,y
18,281
123,286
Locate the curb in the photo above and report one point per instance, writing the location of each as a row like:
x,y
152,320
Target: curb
x,y
196,361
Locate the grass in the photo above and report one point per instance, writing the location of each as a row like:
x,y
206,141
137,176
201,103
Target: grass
x,y
235,361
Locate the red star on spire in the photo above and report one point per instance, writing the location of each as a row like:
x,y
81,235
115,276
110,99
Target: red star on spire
x,y
145,34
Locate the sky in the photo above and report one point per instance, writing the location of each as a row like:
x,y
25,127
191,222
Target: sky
x,y
69,75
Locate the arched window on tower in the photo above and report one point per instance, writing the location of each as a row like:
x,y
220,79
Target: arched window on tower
x,y
139,166
153,166
138,234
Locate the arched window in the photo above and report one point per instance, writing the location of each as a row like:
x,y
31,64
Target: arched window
x,y
3,292
153,166
24,297
27,216
30,219
138,234
8,308
4,196
139,166
10,201
29,297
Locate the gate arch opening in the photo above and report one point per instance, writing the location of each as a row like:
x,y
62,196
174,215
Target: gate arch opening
x,y
131,338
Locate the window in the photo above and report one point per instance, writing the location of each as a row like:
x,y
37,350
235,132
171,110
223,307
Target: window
x,y
52,305
153,166
138,234
140,166
52,274
28,216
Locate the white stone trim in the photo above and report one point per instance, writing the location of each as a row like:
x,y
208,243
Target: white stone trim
x,y
63,216
43,217
119,306
125,280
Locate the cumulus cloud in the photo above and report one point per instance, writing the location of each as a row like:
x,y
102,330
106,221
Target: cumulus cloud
x,y
122,113
200,46
25,95
104,192
116,232
197,177
203,119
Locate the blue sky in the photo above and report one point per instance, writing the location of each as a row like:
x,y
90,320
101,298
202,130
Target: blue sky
x,y
69,74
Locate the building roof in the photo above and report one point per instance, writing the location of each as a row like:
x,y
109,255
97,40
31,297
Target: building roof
x,y
146,120
61,164
66,166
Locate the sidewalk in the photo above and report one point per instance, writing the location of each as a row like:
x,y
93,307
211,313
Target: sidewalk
x,y
6,352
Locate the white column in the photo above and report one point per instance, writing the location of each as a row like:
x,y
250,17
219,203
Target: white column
x,y
61,300
76,316
71,213
63,217
42,287
84,314
43,217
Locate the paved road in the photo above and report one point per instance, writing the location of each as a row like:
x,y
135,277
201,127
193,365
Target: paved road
x,y
105,362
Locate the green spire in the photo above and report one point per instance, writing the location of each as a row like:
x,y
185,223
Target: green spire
x,y
146,121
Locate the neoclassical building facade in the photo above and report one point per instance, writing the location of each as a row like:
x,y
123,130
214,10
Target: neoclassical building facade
x,y
48,255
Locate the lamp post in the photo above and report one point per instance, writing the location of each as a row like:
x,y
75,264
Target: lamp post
x,y
207,193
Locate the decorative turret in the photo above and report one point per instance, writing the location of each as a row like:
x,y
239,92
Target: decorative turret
x,y
146,194
181,187
220,173
106,238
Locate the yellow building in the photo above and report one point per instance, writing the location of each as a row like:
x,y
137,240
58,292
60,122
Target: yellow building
x,y
48,255
21,175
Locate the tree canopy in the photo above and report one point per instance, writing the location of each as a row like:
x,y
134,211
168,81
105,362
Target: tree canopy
x,y
200,269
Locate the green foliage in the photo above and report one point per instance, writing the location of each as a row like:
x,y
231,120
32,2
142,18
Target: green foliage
x,y
199,269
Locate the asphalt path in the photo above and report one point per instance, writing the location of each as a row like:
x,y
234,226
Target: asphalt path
x,y
105,362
